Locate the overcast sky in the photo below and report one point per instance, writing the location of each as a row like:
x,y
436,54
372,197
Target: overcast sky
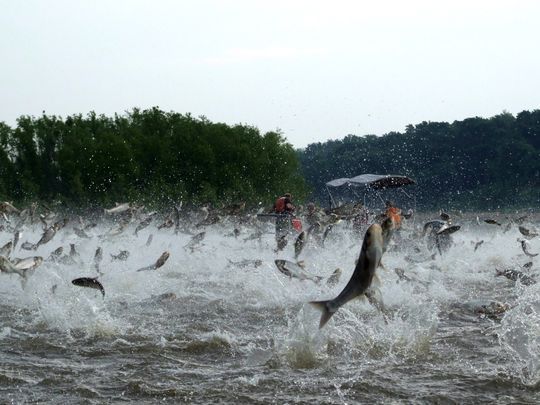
x,y
316,70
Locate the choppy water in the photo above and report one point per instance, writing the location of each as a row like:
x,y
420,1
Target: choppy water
x,y
246,335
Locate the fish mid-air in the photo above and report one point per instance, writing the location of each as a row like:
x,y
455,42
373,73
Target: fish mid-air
x,y
160,262
524,247
89,282
295,270
360,282
299,244
122,255
22,267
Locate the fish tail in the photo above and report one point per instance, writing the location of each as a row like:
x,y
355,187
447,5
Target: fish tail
x,y
326,313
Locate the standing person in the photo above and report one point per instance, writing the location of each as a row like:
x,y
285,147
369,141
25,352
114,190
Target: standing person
x,y
393,212
284,208
312,215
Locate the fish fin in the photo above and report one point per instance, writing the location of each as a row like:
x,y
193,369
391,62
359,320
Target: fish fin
x,y
326,313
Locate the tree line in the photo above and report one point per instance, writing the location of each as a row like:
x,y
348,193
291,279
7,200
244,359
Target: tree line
x,y
149,156
158,158
476,163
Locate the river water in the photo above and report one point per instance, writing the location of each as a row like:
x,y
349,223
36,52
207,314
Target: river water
x,y
235,334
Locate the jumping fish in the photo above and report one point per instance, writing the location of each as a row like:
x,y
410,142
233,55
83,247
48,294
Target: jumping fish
x,y
166,224
515,275
160,262
122,255
81,233
388,228
334,278
28,263
6,249
16,237
326,232
145,222
98,257
246,263
478,244
56,254
362,278
299,244
195,241
47,236
27,246
22,267
8,208
524,247
89,283
120,208
295,270
526,232
492,222
448,229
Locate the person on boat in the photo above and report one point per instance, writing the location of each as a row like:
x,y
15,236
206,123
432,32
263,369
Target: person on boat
x,y
284,208
393,212
312,215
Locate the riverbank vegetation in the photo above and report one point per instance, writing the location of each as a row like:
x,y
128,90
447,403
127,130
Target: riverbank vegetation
x,y
159,158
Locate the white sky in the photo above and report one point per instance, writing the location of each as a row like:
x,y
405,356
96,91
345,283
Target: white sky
x,y
317,70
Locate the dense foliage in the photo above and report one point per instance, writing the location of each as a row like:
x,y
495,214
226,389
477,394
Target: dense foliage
x,y
147,156
158,157
471,164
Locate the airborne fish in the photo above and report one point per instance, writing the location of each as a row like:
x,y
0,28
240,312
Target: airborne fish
x,y
299,244
89,283
120,208
22,267
478,244
98,257
27,246
16,236
145,222
6,249
122,255
526,232
295,270
492,222
56,254
334,278
515,275
524,247
195,241
160,262
7,267
362,278
47,236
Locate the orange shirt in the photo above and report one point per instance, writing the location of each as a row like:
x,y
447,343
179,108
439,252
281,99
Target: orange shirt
x,y
394,213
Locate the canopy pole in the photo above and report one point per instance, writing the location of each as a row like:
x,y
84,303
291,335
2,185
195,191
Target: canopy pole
x,y
330,199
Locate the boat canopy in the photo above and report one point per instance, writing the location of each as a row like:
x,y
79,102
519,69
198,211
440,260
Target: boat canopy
x,y
374,181
365,185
